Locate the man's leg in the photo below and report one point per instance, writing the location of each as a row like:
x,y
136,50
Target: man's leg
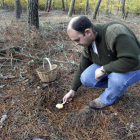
x,y
117,85
88,77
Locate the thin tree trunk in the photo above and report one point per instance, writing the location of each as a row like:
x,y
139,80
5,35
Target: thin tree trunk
x,y
118,6
123,8
87,7
46,5
80,8
96,9
71,8
3,4
107,11
33,18
53,5
18,9
127,12
49,5
66,5
63,5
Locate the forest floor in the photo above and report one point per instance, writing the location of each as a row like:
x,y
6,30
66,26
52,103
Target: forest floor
x,y
30,104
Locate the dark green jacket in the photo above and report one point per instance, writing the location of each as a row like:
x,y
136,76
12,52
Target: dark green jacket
x,y
118,50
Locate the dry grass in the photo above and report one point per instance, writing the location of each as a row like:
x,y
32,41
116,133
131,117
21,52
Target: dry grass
x,y
30,106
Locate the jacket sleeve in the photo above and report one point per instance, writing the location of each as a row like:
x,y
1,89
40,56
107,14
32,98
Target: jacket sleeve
x,y
128,54
84,63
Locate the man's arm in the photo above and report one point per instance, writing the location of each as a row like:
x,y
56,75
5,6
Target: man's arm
x,y
128,54
84,63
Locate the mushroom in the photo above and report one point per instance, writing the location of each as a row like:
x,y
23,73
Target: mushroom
x,y
59,106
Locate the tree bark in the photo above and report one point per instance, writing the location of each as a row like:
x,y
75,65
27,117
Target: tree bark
x,y
63,5
46,5
3,4
18,9
53,5
49,5
87,7
80,8
71,8
33,18
96,9
66,5
107,11
123,8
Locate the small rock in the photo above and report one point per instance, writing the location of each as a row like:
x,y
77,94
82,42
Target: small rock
x,y
45,86
115,114
2,86
3,118
131,126
38,87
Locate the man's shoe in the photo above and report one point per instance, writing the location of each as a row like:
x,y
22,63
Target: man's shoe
x,y
96,104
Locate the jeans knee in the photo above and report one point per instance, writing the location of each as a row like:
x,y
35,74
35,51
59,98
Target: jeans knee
x,y
83,80
117,84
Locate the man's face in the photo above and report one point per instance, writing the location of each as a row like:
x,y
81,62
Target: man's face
x,y
79,38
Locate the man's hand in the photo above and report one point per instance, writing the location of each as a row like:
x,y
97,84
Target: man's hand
x,y
68,97
98,74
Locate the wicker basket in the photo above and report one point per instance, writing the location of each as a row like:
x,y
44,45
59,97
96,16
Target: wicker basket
x,y
47,73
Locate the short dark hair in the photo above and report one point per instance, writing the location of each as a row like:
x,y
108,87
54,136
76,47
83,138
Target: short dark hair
x,y
81,24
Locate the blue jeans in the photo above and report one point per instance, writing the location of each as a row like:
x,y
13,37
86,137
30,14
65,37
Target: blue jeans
x,y
115,83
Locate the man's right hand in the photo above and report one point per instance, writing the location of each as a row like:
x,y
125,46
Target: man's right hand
x,y
68,97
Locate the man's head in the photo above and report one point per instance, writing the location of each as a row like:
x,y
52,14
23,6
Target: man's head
x,y
80,31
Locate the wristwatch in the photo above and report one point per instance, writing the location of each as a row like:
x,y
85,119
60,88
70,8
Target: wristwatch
x,y
102,69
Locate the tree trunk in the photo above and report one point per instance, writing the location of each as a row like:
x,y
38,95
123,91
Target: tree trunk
x,y
66,5
46,5
80,8
49,5
71,8
3,4
118,6
96,9
63,5
123,8
87,7
18,9
53,5
127,11
126,15
107,11
33,18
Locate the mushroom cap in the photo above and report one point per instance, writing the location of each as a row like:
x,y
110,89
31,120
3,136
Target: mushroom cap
x,y
59,106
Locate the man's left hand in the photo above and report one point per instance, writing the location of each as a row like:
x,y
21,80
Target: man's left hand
x,y
98,74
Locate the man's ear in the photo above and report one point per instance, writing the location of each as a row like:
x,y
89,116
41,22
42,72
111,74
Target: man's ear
x,y
88,31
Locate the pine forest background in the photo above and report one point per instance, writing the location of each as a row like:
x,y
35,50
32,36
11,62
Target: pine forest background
x,y
133,6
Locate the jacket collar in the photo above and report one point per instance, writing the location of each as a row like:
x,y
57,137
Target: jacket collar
x,y
97,31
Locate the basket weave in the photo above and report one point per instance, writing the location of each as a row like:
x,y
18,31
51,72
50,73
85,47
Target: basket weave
x,y
47,73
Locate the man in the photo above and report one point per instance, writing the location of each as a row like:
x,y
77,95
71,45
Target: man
x,y
110,59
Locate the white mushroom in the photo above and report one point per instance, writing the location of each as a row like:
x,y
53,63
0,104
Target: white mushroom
x,y
59,106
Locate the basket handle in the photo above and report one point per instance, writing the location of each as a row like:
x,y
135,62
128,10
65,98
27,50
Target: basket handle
x,y
48,62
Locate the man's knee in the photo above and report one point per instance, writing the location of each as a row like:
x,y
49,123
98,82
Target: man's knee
x,y
84,79
116,82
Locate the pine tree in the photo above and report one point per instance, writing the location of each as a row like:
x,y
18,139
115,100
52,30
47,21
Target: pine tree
x,y
18,9
33,18
96,9
71,8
